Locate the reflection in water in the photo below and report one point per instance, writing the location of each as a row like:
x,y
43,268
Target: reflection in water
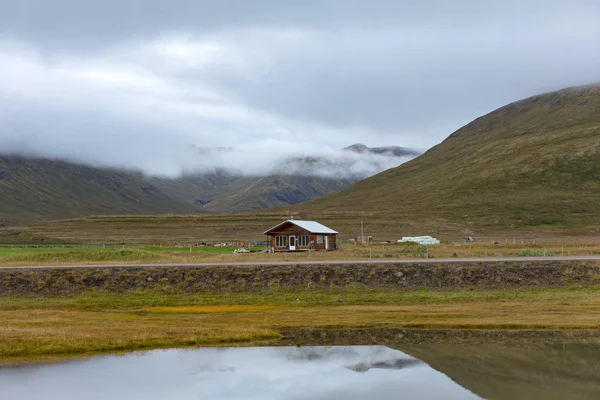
x,y
519,371
236,373
399,363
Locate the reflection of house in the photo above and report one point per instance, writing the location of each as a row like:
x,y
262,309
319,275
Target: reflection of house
x,y
293,235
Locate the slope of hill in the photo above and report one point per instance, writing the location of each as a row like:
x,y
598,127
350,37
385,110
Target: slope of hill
x,y
38,190
532,164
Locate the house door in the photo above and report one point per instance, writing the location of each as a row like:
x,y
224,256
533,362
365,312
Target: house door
x,y
292,242
326,242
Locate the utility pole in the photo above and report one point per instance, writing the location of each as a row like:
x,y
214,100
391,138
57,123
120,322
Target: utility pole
x,y
362,232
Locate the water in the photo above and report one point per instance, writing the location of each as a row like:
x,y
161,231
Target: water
x,y
363,372
400,371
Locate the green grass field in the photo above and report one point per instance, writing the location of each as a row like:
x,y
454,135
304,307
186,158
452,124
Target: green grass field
x,y
80,254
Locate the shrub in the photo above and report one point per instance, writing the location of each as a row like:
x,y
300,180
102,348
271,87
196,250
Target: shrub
x,y
534,253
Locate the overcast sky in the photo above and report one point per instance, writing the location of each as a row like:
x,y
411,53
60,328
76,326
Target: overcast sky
x,y
138,83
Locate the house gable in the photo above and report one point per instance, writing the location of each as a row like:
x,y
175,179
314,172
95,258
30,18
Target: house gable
x,y
308,226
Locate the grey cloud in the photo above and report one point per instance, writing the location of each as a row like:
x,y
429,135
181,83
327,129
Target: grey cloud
x,y
404,81
82,135
85,23
136,83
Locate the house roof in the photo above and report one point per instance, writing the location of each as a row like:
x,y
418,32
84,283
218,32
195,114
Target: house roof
x,y
311,226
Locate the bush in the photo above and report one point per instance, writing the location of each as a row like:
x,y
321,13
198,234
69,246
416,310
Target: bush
x,y
534,253
415,250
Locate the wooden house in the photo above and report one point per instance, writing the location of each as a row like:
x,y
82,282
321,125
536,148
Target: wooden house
x,y
294,235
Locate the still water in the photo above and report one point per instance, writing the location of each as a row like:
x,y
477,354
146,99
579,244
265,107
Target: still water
x,y
356,372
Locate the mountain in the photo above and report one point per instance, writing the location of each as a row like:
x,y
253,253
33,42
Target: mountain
x,y
530,169
532,165
34,189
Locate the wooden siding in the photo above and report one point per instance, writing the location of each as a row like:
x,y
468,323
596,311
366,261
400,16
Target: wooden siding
x,y
289,229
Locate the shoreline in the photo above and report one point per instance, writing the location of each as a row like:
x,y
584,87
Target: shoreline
x,y
390,337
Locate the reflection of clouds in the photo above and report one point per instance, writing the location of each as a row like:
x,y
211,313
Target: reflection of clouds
x,y
316,353
240,373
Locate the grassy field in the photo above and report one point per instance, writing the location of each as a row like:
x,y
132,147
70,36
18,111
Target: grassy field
x,y
46,255
80,254
171,230
36,328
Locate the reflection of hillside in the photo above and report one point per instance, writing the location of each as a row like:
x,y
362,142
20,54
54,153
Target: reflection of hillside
x,y
398,364
517,372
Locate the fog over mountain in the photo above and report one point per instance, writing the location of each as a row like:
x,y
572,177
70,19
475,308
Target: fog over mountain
x,y
137,85
356,161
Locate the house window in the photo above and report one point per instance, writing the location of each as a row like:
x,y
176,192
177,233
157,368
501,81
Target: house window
x,y
319,239
303,241
281,241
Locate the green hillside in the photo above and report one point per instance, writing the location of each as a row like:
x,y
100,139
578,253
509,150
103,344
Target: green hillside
x,y
533,164
34,190
37,189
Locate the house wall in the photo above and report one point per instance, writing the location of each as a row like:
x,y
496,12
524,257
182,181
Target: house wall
x,y
293,230
287,231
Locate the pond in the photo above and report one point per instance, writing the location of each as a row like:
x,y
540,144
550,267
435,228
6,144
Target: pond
x,y
418,371
364,372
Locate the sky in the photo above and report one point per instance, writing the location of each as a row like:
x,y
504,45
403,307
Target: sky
x,y
142,84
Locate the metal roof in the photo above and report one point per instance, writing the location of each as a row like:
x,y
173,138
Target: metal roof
x,y
311,226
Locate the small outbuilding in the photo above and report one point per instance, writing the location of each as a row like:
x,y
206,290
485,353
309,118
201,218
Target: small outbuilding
x,y
296,235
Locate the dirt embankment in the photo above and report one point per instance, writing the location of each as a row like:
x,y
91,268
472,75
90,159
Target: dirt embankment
x,y
190,279
400,336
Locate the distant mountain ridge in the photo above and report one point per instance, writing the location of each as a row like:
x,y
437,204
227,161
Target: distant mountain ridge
x,y
392,151
35,189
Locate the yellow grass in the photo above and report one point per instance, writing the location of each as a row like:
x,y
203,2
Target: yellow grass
x,y
57,327
206,309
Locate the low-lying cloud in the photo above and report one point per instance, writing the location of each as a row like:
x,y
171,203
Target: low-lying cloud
x,y
291,159
144,85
